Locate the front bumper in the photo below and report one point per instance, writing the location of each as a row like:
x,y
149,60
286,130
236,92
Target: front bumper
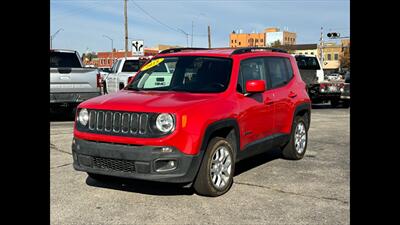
x,y
133,161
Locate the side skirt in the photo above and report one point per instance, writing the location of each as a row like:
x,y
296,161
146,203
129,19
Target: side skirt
x,y
262,145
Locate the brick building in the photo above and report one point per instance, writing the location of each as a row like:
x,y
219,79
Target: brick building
x,y
104,59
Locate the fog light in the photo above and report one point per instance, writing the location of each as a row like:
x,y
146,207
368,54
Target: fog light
x,y
165,165
322,90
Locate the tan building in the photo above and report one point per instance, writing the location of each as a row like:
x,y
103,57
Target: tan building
x,y
266,38
303,49
332,52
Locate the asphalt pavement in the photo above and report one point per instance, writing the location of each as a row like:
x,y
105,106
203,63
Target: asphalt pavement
x,y
267,189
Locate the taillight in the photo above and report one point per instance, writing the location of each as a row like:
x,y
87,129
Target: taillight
x,y
98,79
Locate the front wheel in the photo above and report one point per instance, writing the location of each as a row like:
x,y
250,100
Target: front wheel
x,y
215,175
297,145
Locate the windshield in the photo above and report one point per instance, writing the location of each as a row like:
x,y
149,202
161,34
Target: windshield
x,y
64,59
307,63
196,74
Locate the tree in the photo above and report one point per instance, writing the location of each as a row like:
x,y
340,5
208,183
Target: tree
x,y
276,43
345,58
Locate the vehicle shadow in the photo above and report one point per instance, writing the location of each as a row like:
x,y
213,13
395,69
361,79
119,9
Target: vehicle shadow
x,y
321,106
141,186
169,189
257,160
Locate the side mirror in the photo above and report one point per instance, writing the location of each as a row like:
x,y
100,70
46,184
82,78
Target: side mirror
x,y
255,86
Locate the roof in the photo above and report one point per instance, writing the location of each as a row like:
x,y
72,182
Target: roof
x,y
62,50
221,52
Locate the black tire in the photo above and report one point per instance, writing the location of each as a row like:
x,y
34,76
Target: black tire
x,y
289,150
105,87
203,184
334,103
346,104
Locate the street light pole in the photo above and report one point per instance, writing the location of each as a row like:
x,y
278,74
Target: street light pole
x,y
112,47
53,36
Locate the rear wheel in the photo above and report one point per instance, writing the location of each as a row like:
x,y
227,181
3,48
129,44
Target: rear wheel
x,y
297,145
334,103
346,104
215,175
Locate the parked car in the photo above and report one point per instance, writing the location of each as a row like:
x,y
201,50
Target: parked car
x,y
70,82
122,70
219,106
345,96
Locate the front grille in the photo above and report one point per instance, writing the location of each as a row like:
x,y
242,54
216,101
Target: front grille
x,y
114,164
136,124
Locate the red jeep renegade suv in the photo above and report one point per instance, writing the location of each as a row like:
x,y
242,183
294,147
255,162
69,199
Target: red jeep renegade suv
x,y
190,114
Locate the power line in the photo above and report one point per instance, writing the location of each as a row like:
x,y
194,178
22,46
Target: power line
x,y
154,18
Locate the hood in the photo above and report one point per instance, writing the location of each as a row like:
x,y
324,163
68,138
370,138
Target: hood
x,y
147,101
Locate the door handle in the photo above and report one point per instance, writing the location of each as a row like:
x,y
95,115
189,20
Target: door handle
x,y
292,94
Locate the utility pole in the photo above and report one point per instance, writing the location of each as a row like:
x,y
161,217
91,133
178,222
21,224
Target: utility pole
x,y
192,35
321,47
126,27
209,37
187,36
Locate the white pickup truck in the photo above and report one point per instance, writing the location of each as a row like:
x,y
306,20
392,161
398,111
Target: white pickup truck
x,y
320,88
70,82
121,71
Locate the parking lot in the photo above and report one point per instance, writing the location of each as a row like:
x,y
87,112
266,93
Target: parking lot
x,y
266,189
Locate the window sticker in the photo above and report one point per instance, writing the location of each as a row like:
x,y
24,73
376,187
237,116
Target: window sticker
x,y
152,64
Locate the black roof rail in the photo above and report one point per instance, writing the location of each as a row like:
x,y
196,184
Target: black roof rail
x,y
173,50
251,49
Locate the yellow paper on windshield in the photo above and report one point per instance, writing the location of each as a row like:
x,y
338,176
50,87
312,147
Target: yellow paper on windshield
x,y
152,64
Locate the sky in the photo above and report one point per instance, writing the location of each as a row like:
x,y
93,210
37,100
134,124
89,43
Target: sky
x,y
84,23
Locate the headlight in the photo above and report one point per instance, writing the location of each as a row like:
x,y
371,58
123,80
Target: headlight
x,y
165,122
83,117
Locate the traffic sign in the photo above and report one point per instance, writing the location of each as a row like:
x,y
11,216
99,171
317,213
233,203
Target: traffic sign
x,y
137,48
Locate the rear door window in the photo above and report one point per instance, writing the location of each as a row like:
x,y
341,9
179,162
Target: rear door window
x,y
278,72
